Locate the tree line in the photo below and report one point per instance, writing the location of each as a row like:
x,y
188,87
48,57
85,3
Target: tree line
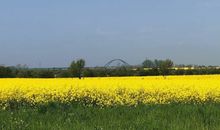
x,y
77,69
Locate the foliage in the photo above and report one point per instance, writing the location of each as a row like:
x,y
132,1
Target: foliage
x,y
88,73
63,74
165,66
148,64
5,72
76,68
46,74
162,66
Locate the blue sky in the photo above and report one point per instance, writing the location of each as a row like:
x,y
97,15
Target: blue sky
x,y
52,33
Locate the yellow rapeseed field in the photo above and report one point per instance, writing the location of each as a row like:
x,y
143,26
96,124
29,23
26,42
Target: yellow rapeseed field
x,y
113,90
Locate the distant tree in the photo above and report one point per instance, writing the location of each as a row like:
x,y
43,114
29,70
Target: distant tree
x,y
6,72
88,73
99,72
165,66
64,74
148,64
162,67
76,68
119,71
20,66
46,74
24,73
158,63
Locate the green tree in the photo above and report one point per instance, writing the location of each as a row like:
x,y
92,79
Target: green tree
x,y
158,67
46,74
148,64
158,63
76,68
6,72
25,73
88,73
165,66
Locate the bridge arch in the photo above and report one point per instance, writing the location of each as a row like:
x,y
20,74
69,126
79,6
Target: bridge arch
x,y
109,67
123,63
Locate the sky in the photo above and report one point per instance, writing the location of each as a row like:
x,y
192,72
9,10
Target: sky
x,y
52,33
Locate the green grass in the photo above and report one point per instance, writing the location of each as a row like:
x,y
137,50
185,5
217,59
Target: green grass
x,y
142,117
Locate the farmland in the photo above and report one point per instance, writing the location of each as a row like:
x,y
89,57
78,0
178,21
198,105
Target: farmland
x,y
172,102
111,91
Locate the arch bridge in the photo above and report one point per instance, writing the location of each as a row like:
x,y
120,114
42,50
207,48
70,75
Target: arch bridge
x,y
119,61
